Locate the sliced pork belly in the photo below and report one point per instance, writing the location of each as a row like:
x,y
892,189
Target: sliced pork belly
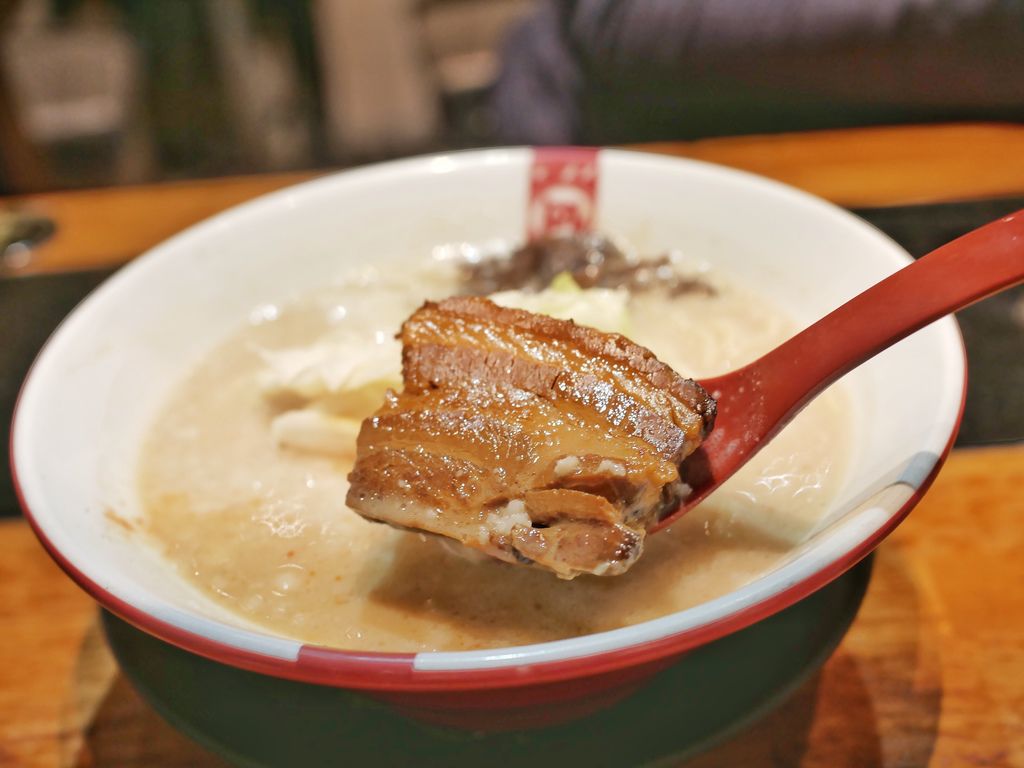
x,y
531,439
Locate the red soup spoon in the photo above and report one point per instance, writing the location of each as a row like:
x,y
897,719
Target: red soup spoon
x,y
758,400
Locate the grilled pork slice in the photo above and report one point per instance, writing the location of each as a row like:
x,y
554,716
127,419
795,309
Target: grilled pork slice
x,y
531,439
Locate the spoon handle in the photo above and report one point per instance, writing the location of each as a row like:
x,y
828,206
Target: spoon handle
x,y
979,264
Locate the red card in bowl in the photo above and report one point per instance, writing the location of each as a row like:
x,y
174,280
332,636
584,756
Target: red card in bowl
x,y
563,191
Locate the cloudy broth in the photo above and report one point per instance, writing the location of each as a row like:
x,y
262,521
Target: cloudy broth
x,y
263,529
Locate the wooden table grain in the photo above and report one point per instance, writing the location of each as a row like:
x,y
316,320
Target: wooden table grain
x,y
931,674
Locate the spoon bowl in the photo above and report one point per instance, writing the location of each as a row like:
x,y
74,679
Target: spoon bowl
x,y
759,399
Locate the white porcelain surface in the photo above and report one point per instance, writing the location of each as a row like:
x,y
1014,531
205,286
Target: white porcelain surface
x,y
94,389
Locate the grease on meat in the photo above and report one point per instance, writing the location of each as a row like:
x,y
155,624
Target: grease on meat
x,y
530,439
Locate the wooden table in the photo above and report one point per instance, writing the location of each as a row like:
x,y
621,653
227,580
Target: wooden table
x,y
932,672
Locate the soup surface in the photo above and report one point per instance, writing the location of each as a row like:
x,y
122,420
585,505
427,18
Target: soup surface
x,y
257,520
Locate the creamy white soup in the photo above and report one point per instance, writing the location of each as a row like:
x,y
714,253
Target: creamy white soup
x,y
243,477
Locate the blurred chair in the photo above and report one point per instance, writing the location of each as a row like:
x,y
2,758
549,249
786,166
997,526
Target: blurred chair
x,y
77,85
22,166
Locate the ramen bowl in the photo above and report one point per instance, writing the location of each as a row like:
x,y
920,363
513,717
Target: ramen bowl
x,y
92,393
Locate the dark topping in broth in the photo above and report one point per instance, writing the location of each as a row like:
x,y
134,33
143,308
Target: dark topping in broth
x,y
593,260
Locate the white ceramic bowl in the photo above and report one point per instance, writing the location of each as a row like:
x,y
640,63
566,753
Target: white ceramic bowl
x,y
94,388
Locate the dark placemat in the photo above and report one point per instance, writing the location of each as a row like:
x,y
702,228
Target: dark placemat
x,y
31,307
30,310
993,329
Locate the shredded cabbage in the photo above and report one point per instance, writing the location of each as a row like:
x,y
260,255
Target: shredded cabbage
x,y
338,382
603,308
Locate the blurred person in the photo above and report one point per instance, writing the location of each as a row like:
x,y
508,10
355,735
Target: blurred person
x,y
607,71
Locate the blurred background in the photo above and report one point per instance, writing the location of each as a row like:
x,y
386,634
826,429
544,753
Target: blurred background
x,y
111,92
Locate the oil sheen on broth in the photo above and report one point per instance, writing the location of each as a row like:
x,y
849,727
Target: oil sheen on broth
x,y
263,530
